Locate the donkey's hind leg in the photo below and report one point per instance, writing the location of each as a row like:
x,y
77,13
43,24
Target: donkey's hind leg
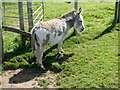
x,y
37,53
41,56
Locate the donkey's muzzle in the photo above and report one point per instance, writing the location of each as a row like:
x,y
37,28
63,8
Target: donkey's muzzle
x,y
82,28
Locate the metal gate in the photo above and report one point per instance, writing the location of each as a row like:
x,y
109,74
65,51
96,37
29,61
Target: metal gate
x,y
22,15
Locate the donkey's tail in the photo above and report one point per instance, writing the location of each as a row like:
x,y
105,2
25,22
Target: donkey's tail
x,y
33,40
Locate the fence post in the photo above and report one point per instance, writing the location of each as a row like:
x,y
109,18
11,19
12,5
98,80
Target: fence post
x,y
76,5
75,8
1,38
118,21
21,21
116,11
30,17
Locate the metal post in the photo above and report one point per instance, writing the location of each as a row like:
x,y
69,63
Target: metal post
x,y
76,8
30,17
21,21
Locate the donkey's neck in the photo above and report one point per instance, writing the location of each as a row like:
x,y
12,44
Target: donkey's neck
x,y
70,24
70,19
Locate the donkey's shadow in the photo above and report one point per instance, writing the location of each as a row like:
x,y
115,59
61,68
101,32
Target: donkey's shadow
x,y
25,75
28,73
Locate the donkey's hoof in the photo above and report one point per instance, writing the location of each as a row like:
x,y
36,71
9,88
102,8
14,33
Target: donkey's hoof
x,y
42,67
62,51
58,55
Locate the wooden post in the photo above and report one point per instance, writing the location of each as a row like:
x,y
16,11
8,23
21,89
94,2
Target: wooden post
x,y
21,21
1,38
116,11
76,8
30,17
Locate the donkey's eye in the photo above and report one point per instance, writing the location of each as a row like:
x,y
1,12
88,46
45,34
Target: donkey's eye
x,y
80,21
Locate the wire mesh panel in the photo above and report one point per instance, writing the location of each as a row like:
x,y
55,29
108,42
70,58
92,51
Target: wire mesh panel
x,y
11,13
38,12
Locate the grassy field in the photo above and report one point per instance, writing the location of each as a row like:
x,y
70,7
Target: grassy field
x,y
90,59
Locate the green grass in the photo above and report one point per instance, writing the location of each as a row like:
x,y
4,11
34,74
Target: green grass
x,y
44,83
91,57
94,64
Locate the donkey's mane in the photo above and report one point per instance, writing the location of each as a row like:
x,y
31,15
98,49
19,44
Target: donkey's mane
x,y
67,14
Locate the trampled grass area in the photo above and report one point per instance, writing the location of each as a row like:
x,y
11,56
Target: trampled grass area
x,y
91,57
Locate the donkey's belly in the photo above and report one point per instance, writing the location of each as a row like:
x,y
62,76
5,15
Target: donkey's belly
x,y
55,40
48,37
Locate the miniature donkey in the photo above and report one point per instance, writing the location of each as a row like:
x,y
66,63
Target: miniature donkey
x,y
54,32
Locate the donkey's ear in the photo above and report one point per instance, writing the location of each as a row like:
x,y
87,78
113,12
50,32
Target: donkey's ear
x,y
80,10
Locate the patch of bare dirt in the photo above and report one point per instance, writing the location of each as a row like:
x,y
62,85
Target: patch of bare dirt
x,y
28,78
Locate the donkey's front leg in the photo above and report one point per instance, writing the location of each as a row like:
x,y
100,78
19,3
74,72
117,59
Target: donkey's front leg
x,y
60,50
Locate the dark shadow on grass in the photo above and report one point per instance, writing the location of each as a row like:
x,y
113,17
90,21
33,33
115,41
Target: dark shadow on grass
x,y
28,73
71,35
107,30
52,59
17,51
49,50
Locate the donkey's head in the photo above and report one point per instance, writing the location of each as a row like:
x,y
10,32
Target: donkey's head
x,y
78,23
75,19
